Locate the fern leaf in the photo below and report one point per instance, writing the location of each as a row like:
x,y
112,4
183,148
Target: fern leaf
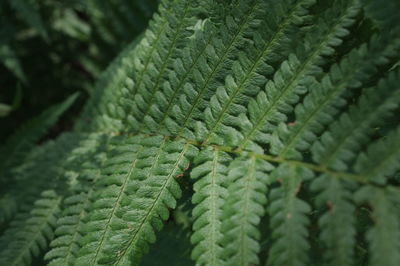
x,y
88,158
210,190
382,158
289,219
243,209
96,115
337,223
175,29
327,97
384,237
44,165
206,78
145,178
272,104
190,61
351,131
252,68
355,128
30,233
279,105
118,84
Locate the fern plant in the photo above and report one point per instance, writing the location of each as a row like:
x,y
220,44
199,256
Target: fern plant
x,y
259,131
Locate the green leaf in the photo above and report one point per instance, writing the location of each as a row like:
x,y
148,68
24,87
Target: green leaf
x,y
147,167
384,236
289,219
243,209
210,191
30,233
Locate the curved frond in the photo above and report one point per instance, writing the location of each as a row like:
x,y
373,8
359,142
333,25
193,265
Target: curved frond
x,y
45,165
337,222
289,218
384,236
206,78
29,234
140,173
177,27
328,96
250,72
272,104
382,159
277,118
355,128
243,209
84,162
210,191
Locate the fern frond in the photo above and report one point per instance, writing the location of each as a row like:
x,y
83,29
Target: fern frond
x,y
206,77
96,114
117,83
384,236
243,209
88,158
45,165
191,60
355,128
337,222
327,97
289,219
252,68
272,104
28,235
280,105
140,175
350,132
157,62
381,160
210,191
184,67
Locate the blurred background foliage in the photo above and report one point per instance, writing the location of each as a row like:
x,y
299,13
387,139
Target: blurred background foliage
x,y
50,49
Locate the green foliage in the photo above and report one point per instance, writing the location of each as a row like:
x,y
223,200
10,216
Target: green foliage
x,y
261,132
13,152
